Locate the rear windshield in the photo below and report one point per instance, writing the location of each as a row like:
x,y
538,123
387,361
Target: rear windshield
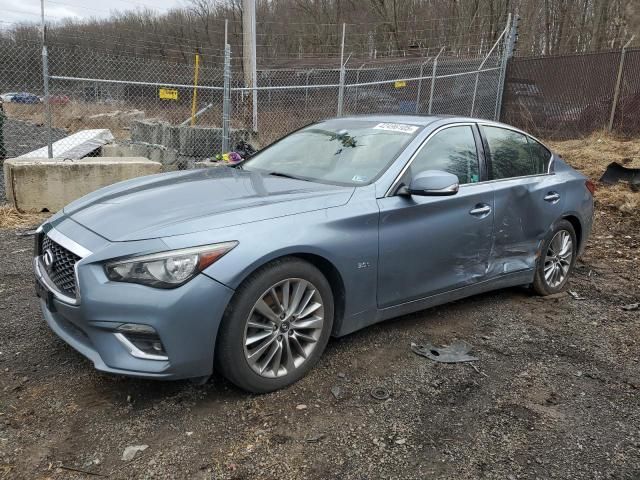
x,y
340,151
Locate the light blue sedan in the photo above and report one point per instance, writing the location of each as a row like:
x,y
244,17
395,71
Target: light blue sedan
x,y
342,224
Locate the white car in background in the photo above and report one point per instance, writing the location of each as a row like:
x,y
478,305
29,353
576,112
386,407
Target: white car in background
x,y
7,97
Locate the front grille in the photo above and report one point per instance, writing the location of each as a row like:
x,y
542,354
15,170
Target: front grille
x,y
61,271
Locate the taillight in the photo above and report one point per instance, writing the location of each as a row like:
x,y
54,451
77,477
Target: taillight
x,y
590,186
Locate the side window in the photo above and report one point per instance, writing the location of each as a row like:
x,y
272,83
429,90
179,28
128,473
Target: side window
x,y
508,152
540,156
452,150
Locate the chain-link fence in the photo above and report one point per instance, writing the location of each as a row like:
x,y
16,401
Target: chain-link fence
x,y
176,111
290,99
571,96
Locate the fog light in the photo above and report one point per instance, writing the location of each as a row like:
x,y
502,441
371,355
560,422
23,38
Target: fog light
x,y
137,328
142,341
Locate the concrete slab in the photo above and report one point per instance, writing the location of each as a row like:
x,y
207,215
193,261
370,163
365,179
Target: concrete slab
x,y
193,142
76,146
36,185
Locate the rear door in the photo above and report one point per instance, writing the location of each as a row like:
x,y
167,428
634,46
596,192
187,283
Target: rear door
x,y
433,244
527,198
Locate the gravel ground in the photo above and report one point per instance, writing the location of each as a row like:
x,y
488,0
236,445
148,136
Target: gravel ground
x,y
555,394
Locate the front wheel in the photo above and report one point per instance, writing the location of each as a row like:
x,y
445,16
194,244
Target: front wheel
x,y
276,326
558,255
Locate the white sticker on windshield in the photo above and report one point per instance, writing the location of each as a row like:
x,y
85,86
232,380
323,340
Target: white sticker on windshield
x,y
396,127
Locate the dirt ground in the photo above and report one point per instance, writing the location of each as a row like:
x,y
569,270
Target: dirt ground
x,y
555,393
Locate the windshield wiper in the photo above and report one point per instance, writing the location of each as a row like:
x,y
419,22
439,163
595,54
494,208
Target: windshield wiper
x,y
286,175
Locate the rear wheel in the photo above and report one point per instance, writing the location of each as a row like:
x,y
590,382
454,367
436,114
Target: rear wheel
x,y
557,258
276,326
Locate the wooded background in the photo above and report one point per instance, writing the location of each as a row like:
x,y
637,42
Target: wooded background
x,y
294,31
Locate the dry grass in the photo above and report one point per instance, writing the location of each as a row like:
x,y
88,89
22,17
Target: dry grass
x,y
10,218
592,155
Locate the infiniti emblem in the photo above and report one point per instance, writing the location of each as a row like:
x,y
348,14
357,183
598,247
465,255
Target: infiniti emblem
x,y
47,258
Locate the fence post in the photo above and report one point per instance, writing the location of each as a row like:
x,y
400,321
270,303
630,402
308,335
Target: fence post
x,y
510,42
226,98
356,88
342,73
484,60
45,81
616,93
433,79
306,93
3,150
420,85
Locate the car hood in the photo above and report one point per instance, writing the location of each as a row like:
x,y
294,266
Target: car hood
x,y
192,201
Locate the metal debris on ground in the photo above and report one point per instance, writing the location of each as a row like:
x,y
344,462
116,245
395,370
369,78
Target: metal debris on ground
x,y
336,391
380,393
616,172
131,451
26,233
631,307
454,353
315,438
576,295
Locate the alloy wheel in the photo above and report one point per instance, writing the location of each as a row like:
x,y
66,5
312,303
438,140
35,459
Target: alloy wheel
x,y
558,259
283,328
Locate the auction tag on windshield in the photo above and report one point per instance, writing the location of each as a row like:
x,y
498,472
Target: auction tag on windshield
x,y
396,127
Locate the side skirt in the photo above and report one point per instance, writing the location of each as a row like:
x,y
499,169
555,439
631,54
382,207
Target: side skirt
x,y
364,319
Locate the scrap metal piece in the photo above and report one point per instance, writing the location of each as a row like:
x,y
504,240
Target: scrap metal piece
x,y
616,172
380,393
454,353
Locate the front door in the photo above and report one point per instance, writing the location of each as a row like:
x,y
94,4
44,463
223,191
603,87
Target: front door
x,y
428,245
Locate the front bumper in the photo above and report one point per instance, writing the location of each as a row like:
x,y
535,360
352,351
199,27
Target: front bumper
x,y
186,320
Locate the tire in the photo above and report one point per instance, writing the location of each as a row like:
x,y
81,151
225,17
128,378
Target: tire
x,y
238,354
555,283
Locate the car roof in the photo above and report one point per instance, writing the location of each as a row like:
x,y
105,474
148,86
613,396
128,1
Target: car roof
x,y
422,120
425,120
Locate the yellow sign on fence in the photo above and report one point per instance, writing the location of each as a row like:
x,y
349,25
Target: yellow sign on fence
x,y
400,84
168,94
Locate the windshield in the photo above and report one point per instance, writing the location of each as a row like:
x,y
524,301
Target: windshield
x,y
340,151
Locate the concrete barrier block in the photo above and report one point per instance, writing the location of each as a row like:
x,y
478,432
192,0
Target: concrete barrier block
x,y
200,141
36,185
147,131
125,150
207,164
170,136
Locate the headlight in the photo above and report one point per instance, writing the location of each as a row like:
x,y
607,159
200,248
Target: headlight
x,y
167,269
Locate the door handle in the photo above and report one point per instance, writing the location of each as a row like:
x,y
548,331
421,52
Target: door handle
x,y
552,197
480,210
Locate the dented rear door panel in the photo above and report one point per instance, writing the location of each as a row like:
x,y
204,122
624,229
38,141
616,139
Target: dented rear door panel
x,y
525,209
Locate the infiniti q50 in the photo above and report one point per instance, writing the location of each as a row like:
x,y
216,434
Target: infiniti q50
x,y
251,268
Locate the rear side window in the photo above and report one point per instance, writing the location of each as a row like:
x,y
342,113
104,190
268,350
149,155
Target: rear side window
x,y
509,152
540,156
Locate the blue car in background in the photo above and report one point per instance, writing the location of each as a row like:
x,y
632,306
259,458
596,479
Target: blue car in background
x,y
25,98
339,225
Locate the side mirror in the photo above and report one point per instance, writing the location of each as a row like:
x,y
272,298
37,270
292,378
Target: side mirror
x,y
432,183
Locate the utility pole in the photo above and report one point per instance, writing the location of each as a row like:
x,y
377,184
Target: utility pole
x,y
249,58
45,80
